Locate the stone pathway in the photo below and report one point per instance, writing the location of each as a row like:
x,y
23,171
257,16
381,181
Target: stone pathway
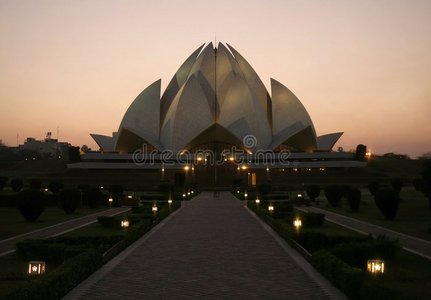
x,y
8,245
409,243
212,248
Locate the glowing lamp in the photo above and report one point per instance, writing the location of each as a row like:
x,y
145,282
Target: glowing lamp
x,y
257,201
170,201
186,168
46,190
129,197
376,266
154,208
110,200
184,195
297,223
125,223
36,267
299,195
270,208
245,195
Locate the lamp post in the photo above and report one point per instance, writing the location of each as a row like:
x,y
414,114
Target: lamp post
x,y
297,223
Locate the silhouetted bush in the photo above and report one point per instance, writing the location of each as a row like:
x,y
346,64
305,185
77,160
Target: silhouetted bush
x,y
55,187
426,177
264,188
361,150
31,204
35,184
313,191
3,181
387,200
16,184
373,187
333,193
418,183
116,189
357,253
166,188
354,199
397,184
91,197
70,200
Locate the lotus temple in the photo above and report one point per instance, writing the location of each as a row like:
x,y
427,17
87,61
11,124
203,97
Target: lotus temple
x,y
216,105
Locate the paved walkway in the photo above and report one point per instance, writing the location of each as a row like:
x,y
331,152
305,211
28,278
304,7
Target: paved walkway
x,y
8,245
213,248
409,243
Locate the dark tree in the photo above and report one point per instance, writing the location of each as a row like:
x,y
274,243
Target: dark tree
x,y
74,155
387,200
31,204
16,184
334,194
35,184
264,188
418,183
70,200
373,187
354,198
426,177
397,184
361,151
55,187
313,191
91,196
3,181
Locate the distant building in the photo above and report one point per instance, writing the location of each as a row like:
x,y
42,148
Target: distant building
x,y
47,148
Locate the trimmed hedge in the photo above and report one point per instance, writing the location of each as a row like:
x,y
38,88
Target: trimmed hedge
x,y
387,200
334,193
31,204
354,198
56,284
349,280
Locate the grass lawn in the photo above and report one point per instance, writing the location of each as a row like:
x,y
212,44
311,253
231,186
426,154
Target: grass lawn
x,y
413,217
12,223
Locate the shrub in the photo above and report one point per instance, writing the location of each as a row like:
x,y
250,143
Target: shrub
x,y
31,204
35,184
387,200
349,280
16,184
357,253
70,200
108,221
264,188
373,187
397,184
333,193
116,189
418,183
166,188
41,250
426,177
55,187
56,284
313,191
314,219
354,198
91,196
3,181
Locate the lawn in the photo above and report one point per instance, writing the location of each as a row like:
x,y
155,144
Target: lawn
x,y
413,217
12,223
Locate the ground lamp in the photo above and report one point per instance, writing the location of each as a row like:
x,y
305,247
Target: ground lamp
x,y
270,208
297,223
184,196
110,200
154,208
375,266
170,201
36,267
125,224
257,200
245,195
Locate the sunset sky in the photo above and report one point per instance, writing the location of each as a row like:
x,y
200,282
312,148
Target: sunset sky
x,y
362,67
